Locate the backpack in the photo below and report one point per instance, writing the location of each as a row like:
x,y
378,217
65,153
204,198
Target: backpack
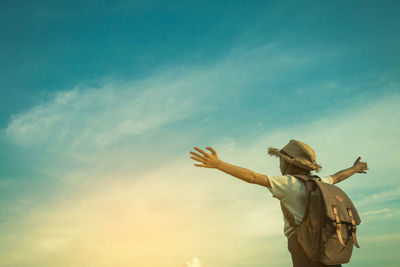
x,y
327,232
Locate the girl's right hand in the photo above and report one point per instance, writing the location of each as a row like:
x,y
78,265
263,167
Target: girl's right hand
x,y
208,160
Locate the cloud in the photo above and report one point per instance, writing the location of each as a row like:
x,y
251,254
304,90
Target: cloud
x,y
387,194
368,129
379,198
123,124
91,117
160,214
381,214
158,211
194,262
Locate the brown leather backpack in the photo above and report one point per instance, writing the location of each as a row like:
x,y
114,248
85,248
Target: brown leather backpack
x,y
327,232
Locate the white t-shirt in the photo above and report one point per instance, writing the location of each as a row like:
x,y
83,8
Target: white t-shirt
x,y
292,193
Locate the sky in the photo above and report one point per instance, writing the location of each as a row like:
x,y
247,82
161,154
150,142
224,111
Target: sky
x,y
101,102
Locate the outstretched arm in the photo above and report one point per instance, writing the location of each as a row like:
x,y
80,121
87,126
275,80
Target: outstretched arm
x,y
211,160
358,167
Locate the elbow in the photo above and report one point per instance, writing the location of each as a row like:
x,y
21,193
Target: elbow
x,y
259,180
252,179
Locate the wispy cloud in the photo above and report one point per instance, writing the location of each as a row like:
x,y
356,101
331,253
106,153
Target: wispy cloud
x,y
158,211
81,124
195,262
381,215
381,197
91,118
387,194
187,203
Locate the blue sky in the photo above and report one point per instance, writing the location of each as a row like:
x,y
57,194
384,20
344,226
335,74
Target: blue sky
x,y
102,100
49,46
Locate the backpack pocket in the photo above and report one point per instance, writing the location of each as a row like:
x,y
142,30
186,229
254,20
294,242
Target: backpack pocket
x,y
333,252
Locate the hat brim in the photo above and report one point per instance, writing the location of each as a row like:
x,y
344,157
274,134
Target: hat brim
x,y
307,165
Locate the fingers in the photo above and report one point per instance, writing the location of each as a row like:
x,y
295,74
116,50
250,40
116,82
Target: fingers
x,y
212,150
199,165
197,155
199,160
366,168
364,165
201,151
204,157
357,160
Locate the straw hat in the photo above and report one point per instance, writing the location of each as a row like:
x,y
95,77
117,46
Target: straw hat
x,y
297,153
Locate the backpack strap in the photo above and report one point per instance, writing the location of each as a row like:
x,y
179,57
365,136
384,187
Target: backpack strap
x,y
338,226
305,178
353,228
288,216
